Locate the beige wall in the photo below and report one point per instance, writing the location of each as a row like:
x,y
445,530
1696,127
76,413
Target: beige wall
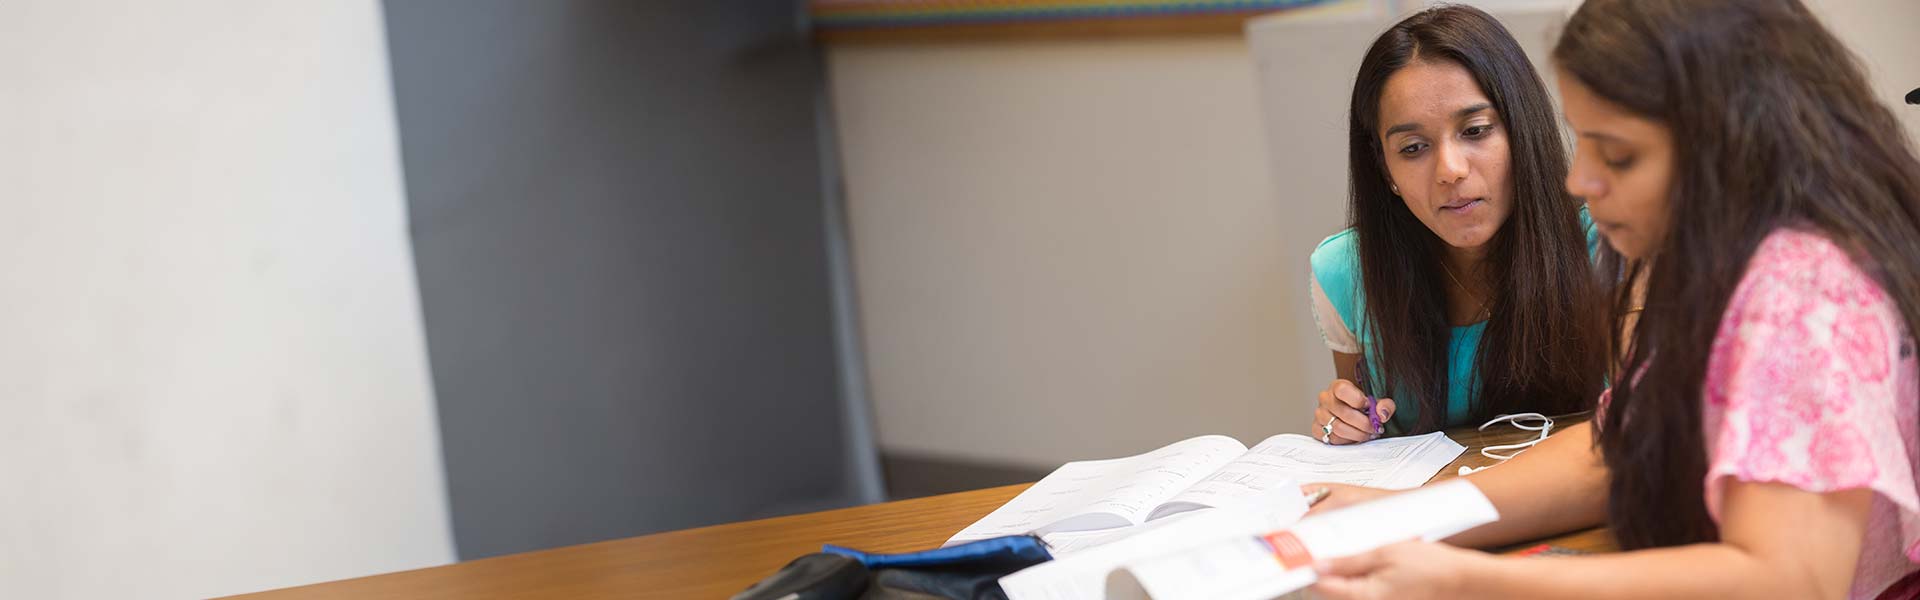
x,y
1885,34
1069,250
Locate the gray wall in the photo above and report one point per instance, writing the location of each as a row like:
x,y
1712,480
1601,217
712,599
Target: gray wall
x,y
617,219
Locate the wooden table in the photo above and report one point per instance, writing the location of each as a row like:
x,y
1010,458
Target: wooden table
x,y
717,561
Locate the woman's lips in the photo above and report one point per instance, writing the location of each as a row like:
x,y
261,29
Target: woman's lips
x,y
1463,206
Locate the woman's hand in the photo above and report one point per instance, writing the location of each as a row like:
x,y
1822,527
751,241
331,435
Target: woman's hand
x,y
1346,405
1411,570
1343,496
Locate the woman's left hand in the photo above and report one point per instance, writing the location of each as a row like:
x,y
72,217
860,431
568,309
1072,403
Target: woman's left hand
x,y
1411,570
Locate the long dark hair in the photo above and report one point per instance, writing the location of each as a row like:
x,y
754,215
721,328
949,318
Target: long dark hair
x,y
1544,347
1774,127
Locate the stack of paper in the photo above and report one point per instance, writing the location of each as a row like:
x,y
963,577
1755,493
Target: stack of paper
x,y
1198,473
1244,553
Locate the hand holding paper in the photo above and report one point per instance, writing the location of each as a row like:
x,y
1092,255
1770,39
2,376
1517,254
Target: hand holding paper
x,y
1403,570
1257,568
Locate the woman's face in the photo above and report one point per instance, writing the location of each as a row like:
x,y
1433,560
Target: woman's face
x,y
1445,149
1622,166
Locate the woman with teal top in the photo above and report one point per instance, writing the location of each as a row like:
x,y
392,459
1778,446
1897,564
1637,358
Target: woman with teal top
x,y
1465,279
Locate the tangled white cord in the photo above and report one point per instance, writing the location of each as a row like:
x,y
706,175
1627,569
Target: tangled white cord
x,y
1527,421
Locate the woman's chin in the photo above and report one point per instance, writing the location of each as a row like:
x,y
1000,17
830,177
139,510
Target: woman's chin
x,y
1472,240
1623,243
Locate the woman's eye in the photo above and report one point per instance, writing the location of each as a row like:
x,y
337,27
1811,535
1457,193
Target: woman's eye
x,y
1617,160
1413,148
1478,131
1614,157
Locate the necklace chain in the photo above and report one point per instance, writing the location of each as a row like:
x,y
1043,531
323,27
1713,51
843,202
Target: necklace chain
x,y
1463,288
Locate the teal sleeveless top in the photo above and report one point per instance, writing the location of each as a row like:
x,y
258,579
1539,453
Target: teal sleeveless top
x,y
1336,266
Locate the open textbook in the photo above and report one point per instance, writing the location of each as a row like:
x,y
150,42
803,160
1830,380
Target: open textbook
x,y
1250,551
1075,506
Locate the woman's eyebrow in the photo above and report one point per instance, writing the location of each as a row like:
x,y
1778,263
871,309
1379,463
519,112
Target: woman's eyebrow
x,y
1472,109
1458,114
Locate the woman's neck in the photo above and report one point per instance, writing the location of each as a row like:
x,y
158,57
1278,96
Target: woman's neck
x,y
1637,295
1468,296
1463,261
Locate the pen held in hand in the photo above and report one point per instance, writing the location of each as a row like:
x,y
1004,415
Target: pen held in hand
x,y
1373,403
1318,494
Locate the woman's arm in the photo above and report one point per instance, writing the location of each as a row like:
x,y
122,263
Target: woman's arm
x,y
1558,485
1777,541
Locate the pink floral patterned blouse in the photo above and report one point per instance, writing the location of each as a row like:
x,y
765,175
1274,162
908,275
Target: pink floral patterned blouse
x,y
1813,383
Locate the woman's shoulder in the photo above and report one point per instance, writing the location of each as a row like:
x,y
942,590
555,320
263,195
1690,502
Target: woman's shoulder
x,y
1802,308
1809,380
1799,247
1336,269
1805,262
1337,258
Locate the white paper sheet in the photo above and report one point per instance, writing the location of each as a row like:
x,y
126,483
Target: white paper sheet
x,y
1244,568
1392,463
1103,494
1081,574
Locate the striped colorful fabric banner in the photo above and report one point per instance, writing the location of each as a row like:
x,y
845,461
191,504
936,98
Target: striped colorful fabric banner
x,y
861,14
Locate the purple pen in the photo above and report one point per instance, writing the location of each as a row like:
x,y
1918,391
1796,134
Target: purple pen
x,y
1373,412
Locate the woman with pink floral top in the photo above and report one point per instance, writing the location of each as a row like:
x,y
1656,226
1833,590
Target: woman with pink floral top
x,y
1763,214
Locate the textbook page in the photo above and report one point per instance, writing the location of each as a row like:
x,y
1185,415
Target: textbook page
x,y
1391,463
1081,573
1264,566
1102,494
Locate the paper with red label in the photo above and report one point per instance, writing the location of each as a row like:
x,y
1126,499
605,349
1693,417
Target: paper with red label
x,y
1261,567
